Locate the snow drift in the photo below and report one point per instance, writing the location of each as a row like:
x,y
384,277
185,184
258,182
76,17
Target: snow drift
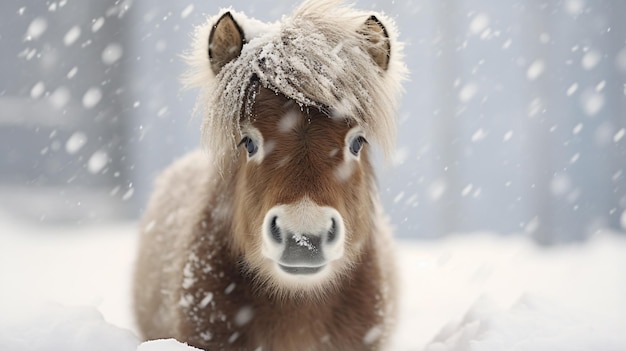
x,y
69,289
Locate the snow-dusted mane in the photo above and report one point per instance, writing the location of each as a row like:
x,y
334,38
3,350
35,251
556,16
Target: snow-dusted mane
x,y
317,57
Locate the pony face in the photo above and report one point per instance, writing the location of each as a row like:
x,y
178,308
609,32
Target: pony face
x,y
296,103
302,194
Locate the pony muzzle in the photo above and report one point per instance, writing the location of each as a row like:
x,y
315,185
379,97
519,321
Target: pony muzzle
x,y
303,238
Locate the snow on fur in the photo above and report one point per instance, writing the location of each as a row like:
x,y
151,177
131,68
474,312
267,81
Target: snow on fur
x,y
316,57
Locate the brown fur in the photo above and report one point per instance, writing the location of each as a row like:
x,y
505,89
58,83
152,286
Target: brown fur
x,y
188,228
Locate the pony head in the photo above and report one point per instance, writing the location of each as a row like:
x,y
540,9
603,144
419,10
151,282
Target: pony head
x,y
290,111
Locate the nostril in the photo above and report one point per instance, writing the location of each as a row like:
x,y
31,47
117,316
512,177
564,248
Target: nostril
x,y
275,231
332,232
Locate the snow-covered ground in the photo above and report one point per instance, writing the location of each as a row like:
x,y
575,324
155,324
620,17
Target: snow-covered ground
x,y
68,289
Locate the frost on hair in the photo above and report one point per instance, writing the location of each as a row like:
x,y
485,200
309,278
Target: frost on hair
x,y
321,56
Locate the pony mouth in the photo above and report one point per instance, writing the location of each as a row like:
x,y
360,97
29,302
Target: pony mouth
x,y
301,270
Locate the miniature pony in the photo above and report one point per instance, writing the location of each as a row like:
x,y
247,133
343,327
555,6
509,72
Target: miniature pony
x,y
274,239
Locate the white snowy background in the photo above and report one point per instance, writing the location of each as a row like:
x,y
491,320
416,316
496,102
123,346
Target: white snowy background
x,y
507,190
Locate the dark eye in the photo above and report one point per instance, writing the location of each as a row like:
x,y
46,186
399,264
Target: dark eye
x,y
357,144
249,145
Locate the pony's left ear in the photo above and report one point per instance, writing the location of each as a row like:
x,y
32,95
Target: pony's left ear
x,y
377,37
225,42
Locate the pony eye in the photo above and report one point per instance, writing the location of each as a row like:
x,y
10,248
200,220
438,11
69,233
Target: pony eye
x,y
357,144
249,145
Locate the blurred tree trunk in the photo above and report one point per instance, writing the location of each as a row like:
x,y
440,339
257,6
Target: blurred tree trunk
x,y
537,137
445,188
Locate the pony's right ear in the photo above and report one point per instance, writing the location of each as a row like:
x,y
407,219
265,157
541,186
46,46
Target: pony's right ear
x,y
225,42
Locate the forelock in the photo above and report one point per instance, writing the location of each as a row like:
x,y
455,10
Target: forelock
x,y
316,57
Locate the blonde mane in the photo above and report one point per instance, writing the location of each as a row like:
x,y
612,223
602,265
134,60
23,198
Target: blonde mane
x,y
316,57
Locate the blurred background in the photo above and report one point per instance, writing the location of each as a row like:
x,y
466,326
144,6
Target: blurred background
x,y
513,119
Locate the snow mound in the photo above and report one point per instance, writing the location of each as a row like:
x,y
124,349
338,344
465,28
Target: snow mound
x,y
56,327
441,280
165,345
52,327
532,324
